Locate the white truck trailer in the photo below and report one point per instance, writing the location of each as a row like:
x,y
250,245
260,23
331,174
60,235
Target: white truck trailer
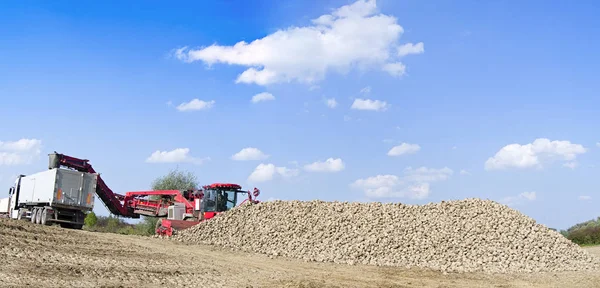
x,y
57,195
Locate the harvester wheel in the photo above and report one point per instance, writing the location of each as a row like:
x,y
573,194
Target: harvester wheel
x,y
158,224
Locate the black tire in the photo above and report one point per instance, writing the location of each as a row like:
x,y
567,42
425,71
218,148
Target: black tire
x,y
38,216
34,215
44,217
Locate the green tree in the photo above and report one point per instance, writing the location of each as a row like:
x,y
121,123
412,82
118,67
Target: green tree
x,y
90,220
174,180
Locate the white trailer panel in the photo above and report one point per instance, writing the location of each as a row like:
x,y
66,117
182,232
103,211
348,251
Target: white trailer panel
x,y
59,187
4,205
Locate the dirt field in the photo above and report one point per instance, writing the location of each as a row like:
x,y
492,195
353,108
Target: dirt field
x,y
55,257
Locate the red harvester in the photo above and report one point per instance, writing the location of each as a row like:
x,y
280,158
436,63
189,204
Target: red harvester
x,y
176,209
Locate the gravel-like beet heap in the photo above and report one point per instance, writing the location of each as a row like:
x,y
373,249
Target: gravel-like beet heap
x,y
455,236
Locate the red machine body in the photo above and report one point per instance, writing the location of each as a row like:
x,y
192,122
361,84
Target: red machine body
x,y
168,226
190,205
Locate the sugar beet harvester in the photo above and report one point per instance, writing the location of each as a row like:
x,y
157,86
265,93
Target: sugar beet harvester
x,y
64,192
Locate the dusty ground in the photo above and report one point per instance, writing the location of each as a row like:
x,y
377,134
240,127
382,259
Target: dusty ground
x,y
35,255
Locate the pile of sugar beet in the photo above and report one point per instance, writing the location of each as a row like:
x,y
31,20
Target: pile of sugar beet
x,y
452,236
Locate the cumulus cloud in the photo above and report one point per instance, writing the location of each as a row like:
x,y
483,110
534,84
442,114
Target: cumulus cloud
x,y
396,69
195,105
519,199
352,36
536,154
585,198
20,152
329,165
249,153
571,165
415,183
264,96
404,149
179,155
464,172
368,104
410,48
331,103
365,90
267,172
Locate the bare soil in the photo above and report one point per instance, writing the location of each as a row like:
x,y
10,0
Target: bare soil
x,y
35,255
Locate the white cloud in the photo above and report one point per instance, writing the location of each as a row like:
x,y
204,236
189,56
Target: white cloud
x,y
249,153
516,200
598,144
179,155
415,183
267,172
264,96
585,198
410,48
368,104
22,145
534,154
352,36
329,165
571,165
464,172
196,105
366,90
404,149
20,152
395,69
331,103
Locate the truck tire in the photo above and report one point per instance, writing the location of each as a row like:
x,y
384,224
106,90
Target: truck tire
x,y
38,216
34,212
44,220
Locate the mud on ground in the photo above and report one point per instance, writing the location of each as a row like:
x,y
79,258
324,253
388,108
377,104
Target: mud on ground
x,y
45,256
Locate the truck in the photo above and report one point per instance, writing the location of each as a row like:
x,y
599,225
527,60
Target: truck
x,y
57,195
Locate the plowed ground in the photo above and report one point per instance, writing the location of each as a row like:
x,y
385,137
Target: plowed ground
x,y
41,256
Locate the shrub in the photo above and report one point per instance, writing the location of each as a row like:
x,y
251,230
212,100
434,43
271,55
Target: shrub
x,y
90,220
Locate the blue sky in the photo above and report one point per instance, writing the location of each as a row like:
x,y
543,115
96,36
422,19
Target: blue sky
x,y
456,82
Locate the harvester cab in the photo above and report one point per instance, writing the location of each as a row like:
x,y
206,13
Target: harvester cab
x,y
221,197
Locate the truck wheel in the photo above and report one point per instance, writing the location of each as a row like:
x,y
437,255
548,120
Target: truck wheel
x,y
38,216
34,215
44,220
20,214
